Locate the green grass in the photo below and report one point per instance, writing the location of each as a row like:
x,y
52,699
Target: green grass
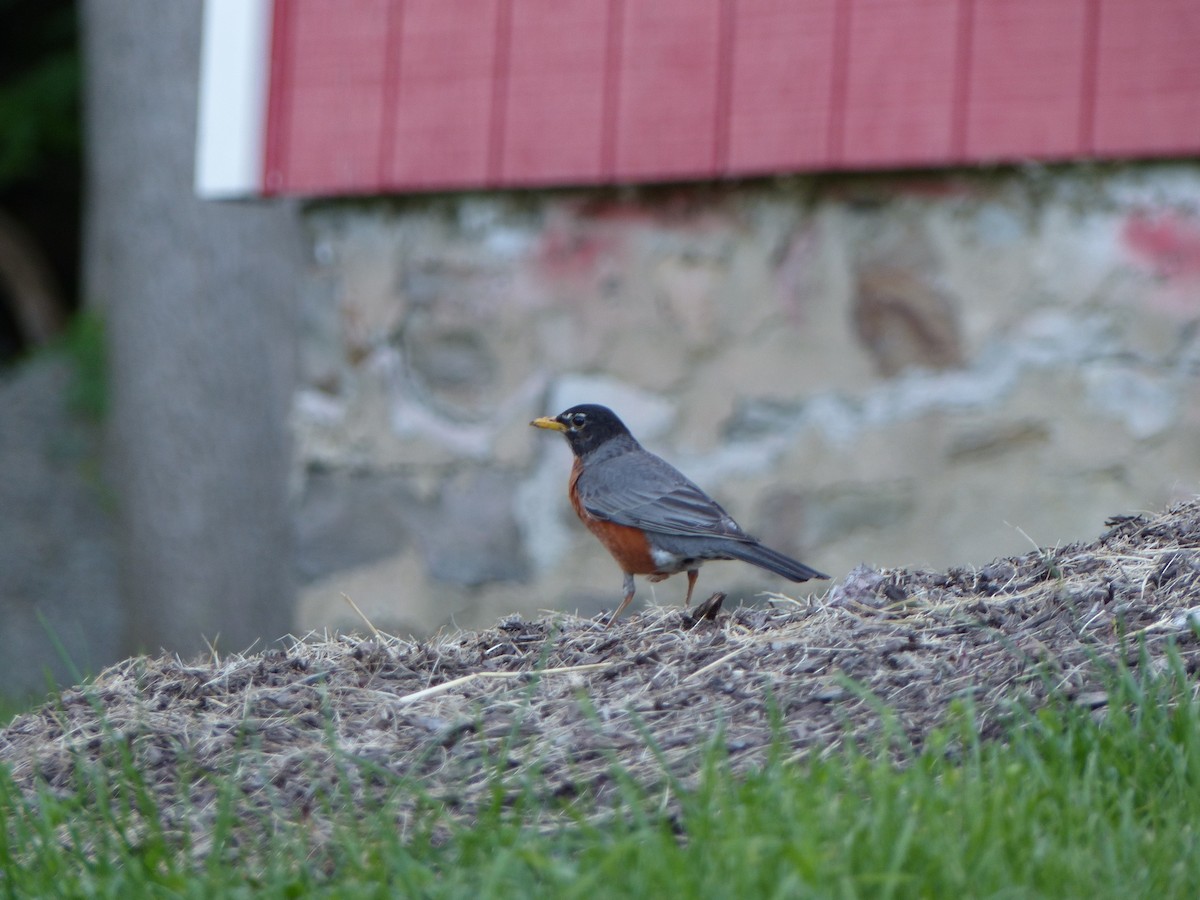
x,y
10,707
84,345
1067,805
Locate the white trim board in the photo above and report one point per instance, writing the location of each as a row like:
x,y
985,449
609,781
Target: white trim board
x,y
232,118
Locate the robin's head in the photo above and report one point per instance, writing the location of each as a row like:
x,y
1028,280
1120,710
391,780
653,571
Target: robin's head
x,y
585,427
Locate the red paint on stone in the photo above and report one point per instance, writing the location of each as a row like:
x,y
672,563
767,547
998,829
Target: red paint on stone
x,y
572,253
1166,242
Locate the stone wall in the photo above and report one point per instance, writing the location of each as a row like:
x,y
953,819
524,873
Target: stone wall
x,y
910,370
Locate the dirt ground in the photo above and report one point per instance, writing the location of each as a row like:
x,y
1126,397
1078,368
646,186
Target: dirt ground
x,y
566,698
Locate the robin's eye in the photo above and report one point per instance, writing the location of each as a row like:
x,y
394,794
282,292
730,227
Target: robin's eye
x,y
578,420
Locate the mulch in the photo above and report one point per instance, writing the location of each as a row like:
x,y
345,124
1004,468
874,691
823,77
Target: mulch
x,y
564,698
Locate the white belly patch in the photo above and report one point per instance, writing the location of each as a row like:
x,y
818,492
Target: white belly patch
x,y
669,563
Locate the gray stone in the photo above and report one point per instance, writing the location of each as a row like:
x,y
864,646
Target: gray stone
x,y
454,364
346,519
455,359
798,521
1145,403
468,536
465,533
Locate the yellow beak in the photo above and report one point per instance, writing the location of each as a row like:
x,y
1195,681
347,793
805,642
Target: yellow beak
x,y
547,422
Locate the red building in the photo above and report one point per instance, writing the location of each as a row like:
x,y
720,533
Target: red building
x,y
320,97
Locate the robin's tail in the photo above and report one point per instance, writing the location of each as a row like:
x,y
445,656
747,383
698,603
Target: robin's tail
x,y
773,561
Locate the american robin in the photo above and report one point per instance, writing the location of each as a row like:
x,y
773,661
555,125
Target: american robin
x,y
651,517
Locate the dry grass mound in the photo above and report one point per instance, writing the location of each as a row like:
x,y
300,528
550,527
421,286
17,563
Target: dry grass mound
x,y
564,698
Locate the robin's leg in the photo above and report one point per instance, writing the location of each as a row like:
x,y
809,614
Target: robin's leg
x,y
693,574
628,586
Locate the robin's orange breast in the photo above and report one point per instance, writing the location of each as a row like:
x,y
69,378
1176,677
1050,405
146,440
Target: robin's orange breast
x,y
628,545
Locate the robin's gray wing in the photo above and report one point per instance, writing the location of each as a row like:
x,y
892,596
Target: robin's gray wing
x,y
645,491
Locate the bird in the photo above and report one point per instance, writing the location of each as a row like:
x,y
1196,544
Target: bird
x,y
652,518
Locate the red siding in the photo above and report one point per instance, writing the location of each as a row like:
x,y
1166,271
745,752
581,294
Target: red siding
x,y
443,96
325,52
900,83
666,121
1026,84
1148,78
783,67
371,95
554,122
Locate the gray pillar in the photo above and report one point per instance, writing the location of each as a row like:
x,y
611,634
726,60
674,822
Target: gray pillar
x,y
199,299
